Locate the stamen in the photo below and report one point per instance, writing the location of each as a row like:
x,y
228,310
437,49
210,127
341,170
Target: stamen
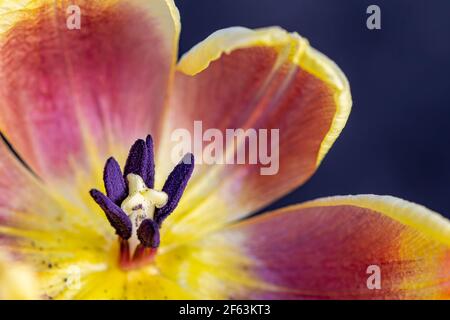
x,y
137,161
148,234
174,186
116,217
115,186
149,178
141,161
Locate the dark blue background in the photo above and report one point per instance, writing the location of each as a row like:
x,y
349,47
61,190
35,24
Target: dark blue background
x,y
397,139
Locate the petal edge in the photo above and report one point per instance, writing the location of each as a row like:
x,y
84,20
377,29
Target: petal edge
x,y
302,54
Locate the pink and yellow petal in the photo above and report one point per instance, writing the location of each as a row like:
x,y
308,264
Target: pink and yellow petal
x,y
72,98
21,193
323,250
46,231
252,79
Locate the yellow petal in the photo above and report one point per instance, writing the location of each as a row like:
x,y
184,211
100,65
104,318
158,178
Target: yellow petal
x,y
17,281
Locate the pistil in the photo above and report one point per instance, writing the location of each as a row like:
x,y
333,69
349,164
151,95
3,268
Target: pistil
x,y
141,204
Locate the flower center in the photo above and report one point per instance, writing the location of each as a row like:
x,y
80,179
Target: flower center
x,y
140,204
134,208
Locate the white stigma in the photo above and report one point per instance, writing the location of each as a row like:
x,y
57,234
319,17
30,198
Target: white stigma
x,y
141,203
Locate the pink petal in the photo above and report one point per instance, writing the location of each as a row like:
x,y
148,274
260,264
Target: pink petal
x,y
324,249
72,98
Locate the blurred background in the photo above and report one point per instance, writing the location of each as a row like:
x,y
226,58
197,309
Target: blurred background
x,y
397,140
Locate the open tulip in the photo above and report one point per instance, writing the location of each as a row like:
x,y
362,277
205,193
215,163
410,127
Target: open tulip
x,y
72,100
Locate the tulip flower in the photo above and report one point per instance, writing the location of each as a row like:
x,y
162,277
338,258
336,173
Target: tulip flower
x,y
93,206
